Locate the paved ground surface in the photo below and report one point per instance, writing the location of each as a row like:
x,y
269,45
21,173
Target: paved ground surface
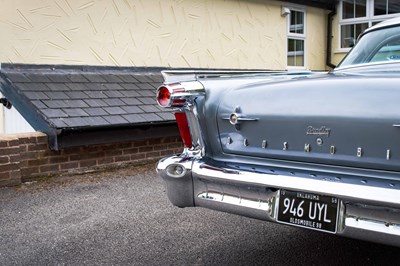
x,y
124,218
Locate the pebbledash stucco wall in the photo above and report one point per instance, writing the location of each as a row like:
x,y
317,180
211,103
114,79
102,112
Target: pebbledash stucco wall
x,y
173,33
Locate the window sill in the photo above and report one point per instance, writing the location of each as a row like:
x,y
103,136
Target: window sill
x,y
342,51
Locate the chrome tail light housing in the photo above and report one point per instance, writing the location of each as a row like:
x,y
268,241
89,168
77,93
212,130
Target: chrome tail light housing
x,y
180,96
176,95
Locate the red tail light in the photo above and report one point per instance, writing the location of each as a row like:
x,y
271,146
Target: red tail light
x,y
172,95
163,96
184,129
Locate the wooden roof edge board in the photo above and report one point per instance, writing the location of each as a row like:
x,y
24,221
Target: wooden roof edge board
x,y
68,139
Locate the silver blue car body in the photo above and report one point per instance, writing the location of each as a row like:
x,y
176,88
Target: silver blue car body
x,y
313,150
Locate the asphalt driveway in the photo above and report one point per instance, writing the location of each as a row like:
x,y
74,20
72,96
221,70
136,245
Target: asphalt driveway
x,y
123,217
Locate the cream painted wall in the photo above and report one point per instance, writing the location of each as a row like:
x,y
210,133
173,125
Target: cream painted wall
x,y
316,38
176,33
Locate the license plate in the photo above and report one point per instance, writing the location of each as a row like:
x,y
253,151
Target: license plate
x,y
308,210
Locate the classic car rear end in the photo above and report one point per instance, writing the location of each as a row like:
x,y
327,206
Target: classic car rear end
x,y
319,151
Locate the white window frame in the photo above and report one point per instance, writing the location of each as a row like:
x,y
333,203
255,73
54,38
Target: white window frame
x,y
297,36
369,18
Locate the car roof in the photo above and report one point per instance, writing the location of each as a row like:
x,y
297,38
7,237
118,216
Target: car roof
x,y
384,24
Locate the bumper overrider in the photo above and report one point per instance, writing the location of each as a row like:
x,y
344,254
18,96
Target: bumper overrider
x,y
364,212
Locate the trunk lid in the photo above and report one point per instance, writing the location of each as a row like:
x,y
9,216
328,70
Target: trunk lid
x,y
326,119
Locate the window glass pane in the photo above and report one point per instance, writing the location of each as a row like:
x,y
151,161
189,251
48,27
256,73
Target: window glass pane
x,y
354,9
347,36
393,6
361,8
350,33
296,22
295,52
384,7
360,28
388,52
348,9
380,7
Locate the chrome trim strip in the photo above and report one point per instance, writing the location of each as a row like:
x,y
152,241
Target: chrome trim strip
x,y
355,66
234,200
381,196
371,225
173,76
194,126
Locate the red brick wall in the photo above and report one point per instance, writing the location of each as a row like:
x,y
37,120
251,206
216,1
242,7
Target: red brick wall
x,y
27,156
10,173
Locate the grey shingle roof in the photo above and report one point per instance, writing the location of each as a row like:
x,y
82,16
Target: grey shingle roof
x,y
73,97
83,105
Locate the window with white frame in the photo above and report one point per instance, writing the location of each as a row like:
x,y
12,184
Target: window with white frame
x,y
358,15
296,37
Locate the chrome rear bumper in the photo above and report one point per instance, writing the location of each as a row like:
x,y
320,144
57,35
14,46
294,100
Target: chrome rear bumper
x,y
365,211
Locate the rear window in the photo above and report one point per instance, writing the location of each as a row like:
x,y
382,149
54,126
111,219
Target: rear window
x,y
388,52
376,46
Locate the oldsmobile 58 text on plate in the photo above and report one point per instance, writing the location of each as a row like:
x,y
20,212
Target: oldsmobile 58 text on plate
x,y
314,150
